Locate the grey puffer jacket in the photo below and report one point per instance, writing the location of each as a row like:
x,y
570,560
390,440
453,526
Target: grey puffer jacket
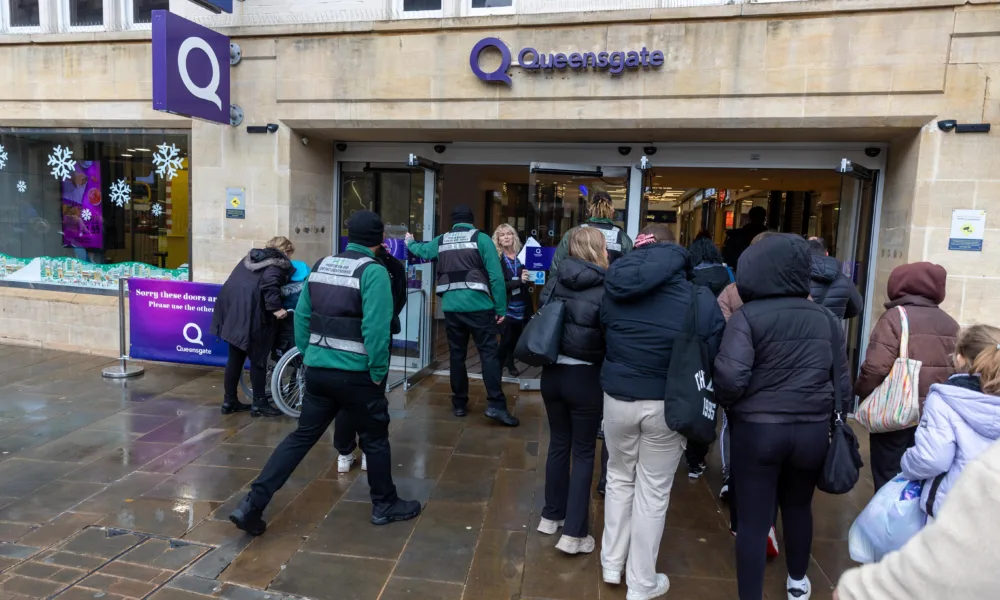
x,y
830,287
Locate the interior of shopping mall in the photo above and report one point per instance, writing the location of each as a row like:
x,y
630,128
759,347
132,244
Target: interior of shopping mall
x,y
543,201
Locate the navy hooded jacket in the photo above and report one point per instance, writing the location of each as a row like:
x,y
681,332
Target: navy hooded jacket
x,y
646,299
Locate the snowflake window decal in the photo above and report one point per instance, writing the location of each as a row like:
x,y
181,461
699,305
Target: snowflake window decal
x,y
167,160
3,157
22,187
62,163
157,210
120,192
86,215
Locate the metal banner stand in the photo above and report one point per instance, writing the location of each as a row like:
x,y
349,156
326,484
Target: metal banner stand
x,y
123,370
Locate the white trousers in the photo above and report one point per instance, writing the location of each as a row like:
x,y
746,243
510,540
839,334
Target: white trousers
x,y
643,457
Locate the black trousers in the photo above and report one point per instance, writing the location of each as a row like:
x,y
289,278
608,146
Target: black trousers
x,y
512,329
327,392
482,326
771,461
887,451
234,369
696,453
345,435
574,403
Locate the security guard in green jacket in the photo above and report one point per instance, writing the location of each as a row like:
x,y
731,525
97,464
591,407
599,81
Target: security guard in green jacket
x,y
474,303
342,330
602,211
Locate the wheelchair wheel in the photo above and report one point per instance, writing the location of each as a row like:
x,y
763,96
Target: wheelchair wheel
x,y
288,383
248,387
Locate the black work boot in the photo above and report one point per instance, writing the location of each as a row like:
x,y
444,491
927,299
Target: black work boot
x,y
230,405
262,408
248,518
502,415
400,510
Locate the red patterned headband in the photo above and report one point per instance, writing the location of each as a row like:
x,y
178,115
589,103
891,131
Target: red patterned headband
x,y
644,239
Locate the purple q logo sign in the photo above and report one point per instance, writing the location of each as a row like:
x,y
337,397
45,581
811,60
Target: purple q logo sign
x,y
501,73
190,68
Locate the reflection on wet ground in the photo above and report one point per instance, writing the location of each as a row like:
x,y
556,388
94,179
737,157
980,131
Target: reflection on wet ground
x,y
111,490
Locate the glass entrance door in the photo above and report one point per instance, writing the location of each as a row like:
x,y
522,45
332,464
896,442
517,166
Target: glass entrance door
x,y
559,197
403,196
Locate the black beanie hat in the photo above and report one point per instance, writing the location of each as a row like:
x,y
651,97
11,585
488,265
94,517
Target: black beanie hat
x,y
365,228
461,214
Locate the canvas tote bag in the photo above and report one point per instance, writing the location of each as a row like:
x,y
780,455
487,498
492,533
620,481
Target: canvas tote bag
x,y
895,403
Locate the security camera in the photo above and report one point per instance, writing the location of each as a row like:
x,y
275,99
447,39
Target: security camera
x,y
649,150
872,152
341,146
305,141
440,148
272,127
948,125
624,150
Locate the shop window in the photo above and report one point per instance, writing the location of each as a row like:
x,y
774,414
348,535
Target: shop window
x,y
142,10
86,13
24,13
492,3
85,209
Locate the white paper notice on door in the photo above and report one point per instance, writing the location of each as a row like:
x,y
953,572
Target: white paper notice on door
x,y
967,229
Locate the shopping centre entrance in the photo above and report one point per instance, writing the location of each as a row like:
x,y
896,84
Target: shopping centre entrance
x,y
542,191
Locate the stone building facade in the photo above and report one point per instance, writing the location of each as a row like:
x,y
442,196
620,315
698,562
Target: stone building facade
x,y
782,75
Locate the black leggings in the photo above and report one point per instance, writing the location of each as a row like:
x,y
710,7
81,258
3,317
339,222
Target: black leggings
x,y
234,369
775,461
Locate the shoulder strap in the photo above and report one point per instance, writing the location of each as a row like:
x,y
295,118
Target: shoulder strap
x,y
932,495
904,337
691,324
835,333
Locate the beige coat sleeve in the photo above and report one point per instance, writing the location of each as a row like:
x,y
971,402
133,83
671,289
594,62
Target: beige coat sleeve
x,y
957,557
730,301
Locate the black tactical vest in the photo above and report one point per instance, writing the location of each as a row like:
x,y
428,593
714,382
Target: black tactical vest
x,y
460,267
335,293
612,239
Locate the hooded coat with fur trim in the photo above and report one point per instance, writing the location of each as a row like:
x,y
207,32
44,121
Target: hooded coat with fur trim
x,y
244,309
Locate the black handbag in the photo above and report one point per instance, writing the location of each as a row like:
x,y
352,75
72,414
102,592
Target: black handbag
x,y
689,400
842,467
542,336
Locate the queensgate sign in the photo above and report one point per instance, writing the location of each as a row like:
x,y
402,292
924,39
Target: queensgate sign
x,y
530,59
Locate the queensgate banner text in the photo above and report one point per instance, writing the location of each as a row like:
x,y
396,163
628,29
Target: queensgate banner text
x,y
170,321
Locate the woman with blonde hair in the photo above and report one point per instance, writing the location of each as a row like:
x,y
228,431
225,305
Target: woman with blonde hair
x,y
246,317
571,390
519,307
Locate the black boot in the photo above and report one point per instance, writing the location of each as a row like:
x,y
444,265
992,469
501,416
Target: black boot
x,y
400,510
248,518
513,370
502,415
262,408
231,405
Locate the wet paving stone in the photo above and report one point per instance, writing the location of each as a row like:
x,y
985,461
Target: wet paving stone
x,y
156,459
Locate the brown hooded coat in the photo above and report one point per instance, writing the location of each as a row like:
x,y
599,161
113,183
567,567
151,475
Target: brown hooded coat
x,y
919,288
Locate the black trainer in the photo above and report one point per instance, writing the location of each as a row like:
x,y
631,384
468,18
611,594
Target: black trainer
x,y
501,415
459,411
248,518
232,405
400,510
262,408
724,492
513,371
695,471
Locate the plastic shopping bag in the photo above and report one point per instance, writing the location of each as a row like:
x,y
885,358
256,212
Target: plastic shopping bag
x,y
891,518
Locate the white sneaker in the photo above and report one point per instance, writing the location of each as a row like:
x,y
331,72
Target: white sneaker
x,y
662,586
612,576
364,462
799,590
548,527
575,545
344,462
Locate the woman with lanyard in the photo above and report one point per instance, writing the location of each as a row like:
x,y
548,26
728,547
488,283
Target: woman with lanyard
x,y
519,307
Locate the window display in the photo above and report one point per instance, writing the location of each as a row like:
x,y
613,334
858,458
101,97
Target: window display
x,y
87,208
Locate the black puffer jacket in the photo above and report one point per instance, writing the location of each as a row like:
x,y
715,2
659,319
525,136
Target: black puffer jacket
x,y
713,276
397,283
830,287
777,355
645,303
580,286
244,310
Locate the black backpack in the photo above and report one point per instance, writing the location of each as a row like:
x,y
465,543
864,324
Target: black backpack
x,y
689,400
